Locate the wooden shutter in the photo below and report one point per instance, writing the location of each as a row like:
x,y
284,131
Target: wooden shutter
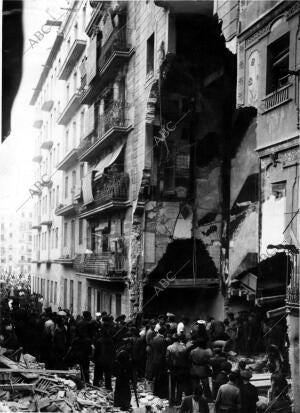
x,y
92,59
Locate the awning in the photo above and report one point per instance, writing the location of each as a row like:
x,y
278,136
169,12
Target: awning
x,y
108,160
87,189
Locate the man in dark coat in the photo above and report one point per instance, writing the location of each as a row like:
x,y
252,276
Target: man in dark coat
x,y
177,362
160,376
194,403
60,346
104,357
124,374
249,393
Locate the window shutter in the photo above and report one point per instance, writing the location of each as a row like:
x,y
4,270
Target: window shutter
x,y
92,60
89,120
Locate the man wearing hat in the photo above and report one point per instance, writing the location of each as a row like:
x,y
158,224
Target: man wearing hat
x,y
249,392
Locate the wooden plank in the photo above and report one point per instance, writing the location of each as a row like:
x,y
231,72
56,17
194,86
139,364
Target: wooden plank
x,y
19,387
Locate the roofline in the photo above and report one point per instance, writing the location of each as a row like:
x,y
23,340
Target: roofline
x,y
52,55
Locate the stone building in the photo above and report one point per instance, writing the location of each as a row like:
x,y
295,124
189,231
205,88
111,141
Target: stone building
x,y
268,81
15,241
134,114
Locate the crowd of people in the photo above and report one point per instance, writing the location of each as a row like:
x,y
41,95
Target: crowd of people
x,y
188,363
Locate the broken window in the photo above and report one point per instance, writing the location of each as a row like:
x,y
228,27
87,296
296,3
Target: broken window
x,y
279,190
278,64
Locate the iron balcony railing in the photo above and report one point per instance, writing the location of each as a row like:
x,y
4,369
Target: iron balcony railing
x,y
112,120
114,188
292,296
277,98
103,264
113,117
118,41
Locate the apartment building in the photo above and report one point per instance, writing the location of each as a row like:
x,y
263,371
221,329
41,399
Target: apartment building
x,y
15,242
58,233
268,81
133,196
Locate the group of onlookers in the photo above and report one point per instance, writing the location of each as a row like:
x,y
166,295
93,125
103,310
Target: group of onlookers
x,y
190,363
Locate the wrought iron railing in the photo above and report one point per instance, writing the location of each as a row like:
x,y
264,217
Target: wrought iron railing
x,y
113,117
106,264
112,188
292,295
276,98
117,41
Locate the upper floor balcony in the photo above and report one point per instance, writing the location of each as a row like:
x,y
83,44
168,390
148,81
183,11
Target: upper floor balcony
x,y
70,109
47,105
38,122
277,98
72,57
203,7
110,194
36,222
112,125
114,53
47,144
106,266
37,157
68,208
69,159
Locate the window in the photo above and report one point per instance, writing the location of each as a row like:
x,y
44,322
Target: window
x,y
66,186
81,171
150,54
71,305
51,292
74,134
81,125
65,292
67,93
73,179
65,234
278,63
75,81
57,195
48,291
56,238
79,292
55,292
80,231
58,154
67,142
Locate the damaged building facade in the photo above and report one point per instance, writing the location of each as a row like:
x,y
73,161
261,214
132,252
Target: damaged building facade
x,y
186,157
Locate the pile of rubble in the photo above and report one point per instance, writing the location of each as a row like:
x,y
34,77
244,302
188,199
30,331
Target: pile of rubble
x,y
26,386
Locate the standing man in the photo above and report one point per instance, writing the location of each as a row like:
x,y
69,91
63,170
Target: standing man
x,y
195,403
177,363
249,393
229,396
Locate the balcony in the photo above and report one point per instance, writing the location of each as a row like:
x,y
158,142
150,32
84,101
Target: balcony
x,y
46,220
65,260
111,193
74,54
112,126
47,105
47,144
107,266
37,224
115,52
292,296
204,7
64,210
37,157
277,98
38,123
72,106
69,160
